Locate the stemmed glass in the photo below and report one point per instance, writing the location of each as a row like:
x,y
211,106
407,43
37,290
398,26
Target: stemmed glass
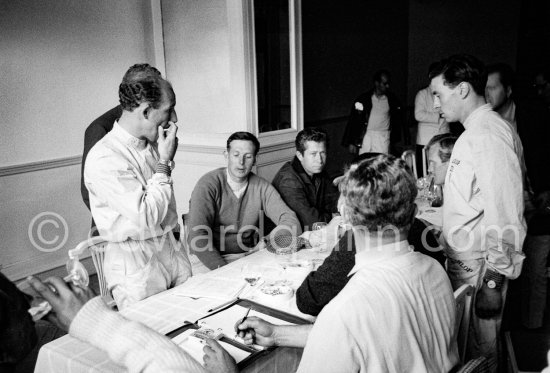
x,y
435,195
251,273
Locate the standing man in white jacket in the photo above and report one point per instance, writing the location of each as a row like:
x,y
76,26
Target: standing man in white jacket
x,y
483,222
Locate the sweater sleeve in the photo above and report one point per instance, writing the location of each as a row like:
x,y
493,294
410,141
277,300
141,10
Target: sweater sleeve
x,y
277,210
129,343
202,217
322,285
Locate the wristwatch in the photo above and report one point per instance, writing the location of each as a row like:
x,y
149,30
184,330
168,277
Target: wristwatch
x,y
170,164
493,280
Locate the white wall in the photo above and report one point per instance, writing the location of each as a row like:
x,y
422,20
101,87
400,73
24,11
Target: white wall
x,y
61,63
205,61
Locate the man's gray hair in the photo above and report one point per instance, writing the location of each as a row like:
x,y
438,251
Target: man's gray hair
x,y
377,193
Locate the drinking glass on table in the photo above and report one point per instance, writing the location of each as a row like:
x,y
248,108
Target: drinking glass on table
x,y
251,273
317,238
423,184
436,195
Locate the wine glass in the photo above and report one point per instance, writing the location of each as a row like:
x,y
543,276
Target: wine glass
x,y
77,273
437,195
317,239
251,273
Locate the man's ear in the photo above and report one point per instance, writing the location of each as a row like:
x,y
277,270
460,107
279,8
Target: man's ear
x,y
300,156
225,154
509,92
464,89
146,110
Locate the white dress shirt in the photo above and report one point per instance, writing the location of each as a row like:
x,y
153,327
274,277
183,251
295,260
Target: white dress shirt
x,y
396,314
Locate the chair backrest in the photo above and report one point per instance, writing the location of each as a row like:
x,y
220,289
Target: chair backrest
x,y
197,266
479,365
424,161
409,156
96,245
463,298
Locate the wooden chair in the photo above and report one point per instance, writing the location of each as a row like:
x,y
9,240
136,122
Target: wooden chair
x,y
463,297
196,265
409,156
96,245
478,365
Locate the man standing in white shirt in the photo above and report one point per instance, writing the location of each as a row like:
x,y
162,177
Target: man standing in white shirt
x,y
483,222
375,119
430,123
128,176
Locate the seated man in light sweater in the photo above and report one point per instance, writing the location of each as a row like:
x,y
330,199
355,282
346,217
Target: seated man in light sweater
x,y
228,204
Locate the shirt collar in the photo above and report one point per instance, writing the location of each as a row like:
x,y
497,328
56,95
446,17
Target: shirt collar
x,y
379,253
128,139
235,186
474,114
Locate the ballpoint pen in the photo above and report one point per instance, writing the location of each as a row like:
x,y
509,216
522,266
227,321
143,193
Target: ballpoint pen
x,y
240,322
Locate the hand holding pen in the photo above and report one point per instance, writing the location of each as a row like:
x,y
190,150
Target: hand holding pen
x,y
241,321
254,330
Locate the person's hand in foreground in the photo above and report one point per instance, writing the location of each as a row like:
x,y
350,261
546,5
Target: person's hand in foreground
x,y
216,359
256,331
66,299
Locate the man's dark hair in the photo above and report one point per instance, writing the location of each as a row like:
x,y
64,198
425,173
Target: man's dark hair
x,y
462,68
246,136
446,142
140,71
141,83
377,77
505,72
309,134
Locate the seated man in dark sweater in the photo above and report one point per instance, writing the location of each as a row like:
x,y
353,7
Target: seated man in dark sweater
x,y
320,286
226,206
303,183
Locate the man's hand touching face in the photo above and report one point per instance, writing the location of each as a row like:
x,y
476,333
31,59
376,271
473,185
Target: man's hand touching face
x,y
167,142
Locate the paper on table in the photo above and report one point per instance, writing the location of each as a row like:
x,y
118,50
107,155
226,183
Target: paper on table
x,y
227,318
194,347
210,287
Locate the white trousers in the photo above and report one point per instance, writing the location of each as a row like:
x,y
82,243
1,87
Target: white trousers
x,y
484,334
135,270
376,142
